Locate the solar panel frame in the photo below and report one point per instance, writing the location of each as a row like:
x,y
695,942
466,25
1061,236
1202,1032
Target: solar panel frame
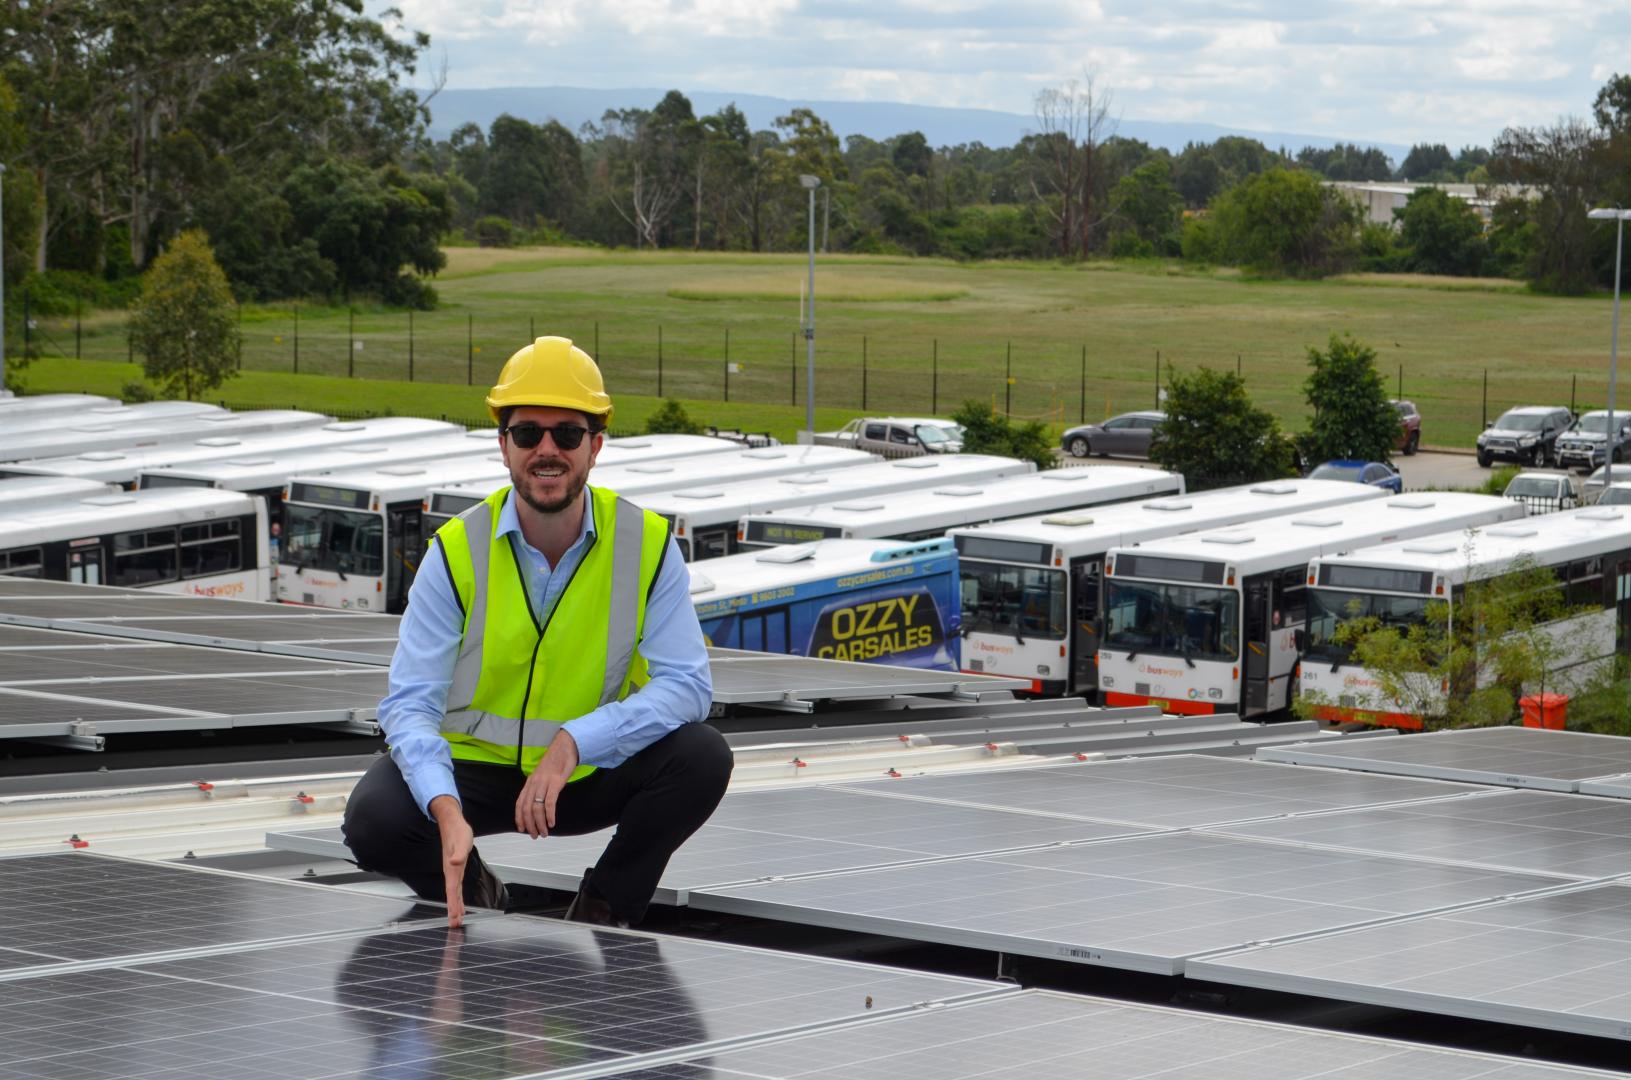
x,y
1613,787
1556,962
1143,903
758,678
1525,757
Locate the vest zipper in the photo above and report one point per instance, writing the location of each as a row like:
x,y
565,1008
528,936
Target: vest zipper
x,y
532,667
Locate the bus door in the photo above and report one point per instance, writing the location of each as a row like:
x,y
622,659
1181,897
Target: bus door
x,y
1254,697
85,564
404,548
1084,635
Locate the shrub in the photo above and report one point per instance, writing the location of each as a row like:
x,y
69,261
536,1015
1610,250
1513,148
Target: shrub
x,y
672,419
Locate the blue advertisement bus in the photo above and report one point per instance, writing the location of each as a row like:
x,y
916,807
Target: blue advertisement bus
x,y
878,601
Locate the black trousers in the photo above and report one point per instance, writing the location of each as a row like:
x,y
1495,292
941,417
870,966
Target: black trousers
x,y
657,799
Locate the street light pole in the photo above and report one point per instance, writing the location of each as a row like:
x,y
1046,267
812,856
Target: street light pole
x,y
2,279
1612,437
810,184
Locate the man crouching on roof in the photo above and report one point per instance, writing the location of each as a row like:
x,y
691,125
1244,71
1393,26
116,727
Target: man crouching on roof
x,y
533,620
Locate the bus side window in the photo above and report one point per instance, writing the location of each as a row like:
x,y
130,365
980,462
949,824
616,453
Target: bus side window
x,y
211,547
776,636
753,633
1290,599
23,562
144,557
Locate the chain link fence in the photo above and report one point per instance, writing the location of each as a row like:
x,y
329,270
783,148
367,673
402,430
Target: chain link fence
x,y
881,372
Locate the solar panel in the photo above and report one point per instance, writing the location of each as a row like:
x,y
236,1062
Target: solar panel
x,y
1558,962
504,996
1168,792
771,834
48,664
1043,1035
1144,903
1507,756
76,906
1532,831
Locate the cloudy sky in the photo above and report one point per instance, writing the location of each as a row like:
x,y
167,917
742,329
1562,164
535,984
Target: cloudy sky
x,y
1401,71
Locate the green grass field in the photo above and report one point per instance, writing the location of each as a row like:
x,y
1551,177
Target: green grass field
x,y
893,335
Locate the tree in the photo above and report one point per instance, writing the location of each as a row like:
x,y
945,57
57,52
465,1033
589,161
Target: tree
x,y
1285,221
1567,161
1353,417
1427,161
1444,234
1073,120
1465,672
672,419
1215,436
986,432
184,323
1145,206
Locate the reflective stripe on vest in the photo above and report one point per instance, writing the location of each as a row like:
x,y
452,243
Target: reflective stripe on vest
x,y
607,591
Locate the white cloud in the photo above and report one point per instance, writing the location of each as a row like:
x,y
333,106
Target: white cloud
x,y
1400,71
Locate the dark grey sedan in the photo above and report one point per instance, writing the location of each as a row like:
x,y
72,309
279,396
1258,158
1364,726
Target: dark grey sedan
x,y
1127,435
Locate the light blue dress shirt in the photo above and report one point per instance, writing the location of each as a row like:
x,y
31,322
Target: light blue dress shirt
x,y
680,690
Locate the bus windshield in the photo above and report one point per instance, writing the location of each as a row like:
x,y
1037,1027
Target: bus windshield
x,y
1192,621
1328,609
1026,600
342,541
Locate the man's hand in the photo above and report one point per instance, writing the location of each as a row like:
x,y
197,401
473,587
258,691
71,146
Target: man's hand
x,y
458,840
535,809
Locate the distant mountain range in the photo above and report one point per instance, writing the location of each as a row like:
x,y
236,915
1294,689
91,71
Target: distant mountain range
x,y
574,106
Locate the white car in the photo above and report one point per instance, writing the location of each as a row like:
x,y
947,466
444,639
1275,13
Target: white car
x,y
896,436
1542,492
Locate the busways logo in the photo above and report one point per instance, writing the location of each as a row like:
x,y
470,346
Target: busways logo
x,y
993,647
1169,672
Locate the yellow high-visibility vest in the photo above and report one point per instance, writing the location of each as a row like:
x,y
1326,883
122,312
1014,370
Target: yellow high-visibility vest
x,y
516,681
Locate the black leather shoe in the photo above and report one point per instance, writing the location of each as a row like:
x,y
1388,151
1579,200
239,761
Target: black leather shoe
x,y
587,907
488,890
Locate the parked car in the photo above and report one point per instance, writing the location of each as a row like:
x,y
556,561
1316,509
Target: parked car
x,y
895,436
1591,488
1527,435
1616,494
1542,492
1127,435
1582,445
1373,473
1409,426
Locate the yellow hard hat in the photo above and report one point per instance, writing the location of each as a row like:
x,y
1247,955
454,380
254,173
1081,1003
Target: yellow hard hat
x,y
551,371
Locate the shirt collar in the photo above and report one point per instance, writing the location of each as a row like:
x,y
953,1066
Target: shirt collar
x,y
510,522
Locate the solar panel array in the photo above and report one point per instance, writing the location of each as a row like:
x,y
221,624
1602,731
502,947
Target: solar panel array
x,y
80,687
1155,864
169,972
1508,756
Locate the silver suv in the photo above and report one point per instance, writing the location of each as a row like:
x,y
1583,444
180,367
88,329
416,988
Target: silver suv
x,y
1582,446
1526,435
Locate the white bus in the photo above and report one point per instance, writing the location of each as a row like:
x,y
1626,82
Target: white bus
x,y
209,543
705,518
1403,584
117,432
1032,591
26,492
635,480
145,413
354,539
123,467
924,514
13,408
267,475
858,600
1206,623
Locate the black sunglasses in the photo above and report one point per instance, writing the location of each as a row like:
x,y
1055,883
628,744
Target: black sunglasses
x,y
566,436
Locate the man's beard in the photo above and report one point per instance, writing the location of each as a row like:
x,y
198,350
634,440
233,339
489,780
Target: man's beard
x,y
523,488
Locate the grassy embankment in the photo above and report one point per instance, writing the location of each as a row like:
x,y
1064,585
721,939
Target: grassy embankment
x,y
1444,333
